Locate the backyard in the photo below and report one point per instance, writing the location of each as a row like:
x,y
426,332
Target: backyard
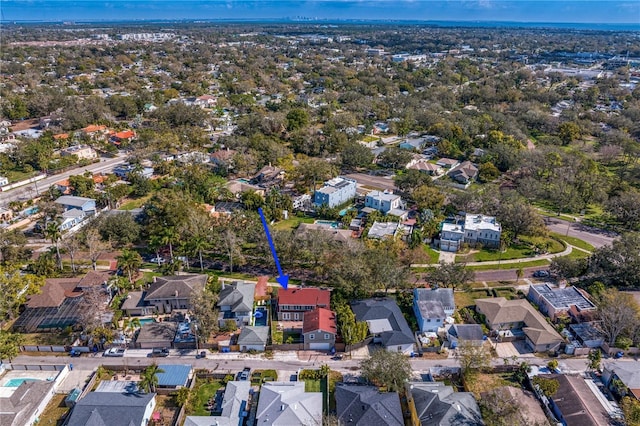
x,y
55,411
204,391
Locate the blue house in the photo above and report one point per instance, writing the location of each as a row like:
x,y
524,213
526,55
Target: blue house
x,y
336,191
77,210
432,307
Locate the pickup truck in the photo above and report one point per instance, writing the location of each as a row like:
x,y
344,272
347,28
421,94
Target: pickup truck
x,y
114,352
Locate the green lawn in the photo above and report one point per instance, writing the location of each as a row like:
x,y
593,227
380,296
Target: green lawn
x,y
134,204
578,254
291,223
203,392
434,256
54,411
576,242
516,251
463,299
312,385
17,176
531,264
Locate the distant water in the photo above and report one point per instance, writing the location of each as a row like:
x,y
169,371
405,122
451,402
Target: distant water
x,y
448,24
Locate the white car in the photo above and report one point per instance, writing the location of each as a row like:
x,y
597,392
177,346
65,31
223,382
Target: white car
x,y
158,260
114,352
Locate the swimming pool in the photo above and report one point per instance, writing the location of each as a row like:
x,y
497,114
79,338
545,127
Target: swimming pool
x,y
260,317
330,223
144,321
14,383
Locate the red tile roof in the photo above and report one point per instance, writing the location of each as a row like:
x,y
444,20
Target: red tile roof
x,y
304,296
94,128
61,136
319,319
126,134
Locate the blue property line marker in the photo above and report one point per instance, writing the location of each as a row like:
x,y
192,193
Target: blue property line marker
x,y
282,279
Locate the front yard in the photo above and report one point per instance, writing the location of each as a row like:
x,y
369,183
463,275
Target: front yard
x,y
204,391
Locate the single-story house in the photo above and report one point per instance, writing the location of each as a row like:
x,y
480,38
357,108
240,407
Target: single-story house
x,y
253,338
386,323
432,306
287,403
556,301
135,305
235,404
26,403
80,151
319,329
464,173
436,404
520,318
426,167
457,333
111,408
447,163
575,404
156,335
175,376
588,335
628,372
360,405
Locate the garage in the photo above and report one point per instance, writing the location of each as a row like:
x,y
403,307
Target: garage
x,y
320,346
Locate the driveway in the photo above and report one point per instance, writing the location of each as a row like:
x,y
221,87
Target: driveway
x,y
510,349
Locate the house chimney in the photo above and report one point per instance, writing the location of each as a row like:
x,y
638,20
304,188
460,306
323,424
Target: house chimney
x,y
175,293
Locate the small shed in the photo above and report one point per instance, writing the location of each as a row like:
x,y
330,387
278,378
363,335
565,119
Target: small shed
x,y
156,335
174,376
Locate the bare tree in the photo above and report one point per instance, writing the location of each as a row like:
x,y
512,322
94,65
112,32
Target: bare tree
x,y
618,313
71,245
95,245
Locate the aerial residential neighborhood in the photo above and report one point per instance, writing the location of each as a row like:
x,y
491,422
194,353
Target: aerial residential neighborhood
x,y
308,223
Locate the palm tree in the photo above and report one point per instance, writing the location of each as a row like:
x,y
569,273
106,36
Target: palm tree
x,y
155,242
198,244
168,236
129,261
150,378
131,324
52,232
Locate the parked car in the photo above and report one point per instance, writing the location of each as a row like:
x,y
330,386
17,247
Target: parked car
x,y
201,354
114,352
245,373
618,355
337,358
159,352
74,353
541,273
157,260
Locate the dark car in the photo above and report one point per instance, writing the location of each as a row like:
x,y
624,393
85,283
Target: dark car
x,y
159,352
201,354
75,353
541,274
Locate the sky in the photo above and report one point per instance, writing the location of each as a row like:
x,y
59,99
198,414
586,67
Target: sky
x,y
552,11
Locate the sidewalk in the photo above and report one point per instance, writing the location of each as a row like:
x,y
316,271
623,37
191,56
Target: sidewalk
x,y
549,256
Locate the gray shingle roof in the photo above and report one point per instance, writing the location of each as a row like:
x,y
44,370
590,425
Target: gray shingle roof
x,y
287,404
257,335
365,406
466,331
438,405
17,408
385,309
238,295
107,408
176,286
442,295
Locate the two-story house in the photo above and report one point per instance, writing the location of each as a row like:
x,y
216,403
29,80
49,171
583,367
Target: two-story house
x,y
432,306
236,302
386,202
174,292
319,329
294,302
77,209
482,229
336,191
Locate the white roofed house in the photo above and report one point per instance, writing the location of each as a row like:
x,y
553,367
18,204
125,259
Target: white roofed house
x,y
386,202
432,307
482,229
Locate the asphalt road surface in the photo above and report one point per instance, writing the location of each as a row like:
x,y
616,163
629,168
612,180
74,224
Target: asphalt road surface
x,y
506,274
595,237
29,191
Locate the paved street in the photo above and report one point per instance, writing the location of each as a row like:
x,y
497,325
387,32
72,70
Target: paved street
x,y
595,237
29,191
